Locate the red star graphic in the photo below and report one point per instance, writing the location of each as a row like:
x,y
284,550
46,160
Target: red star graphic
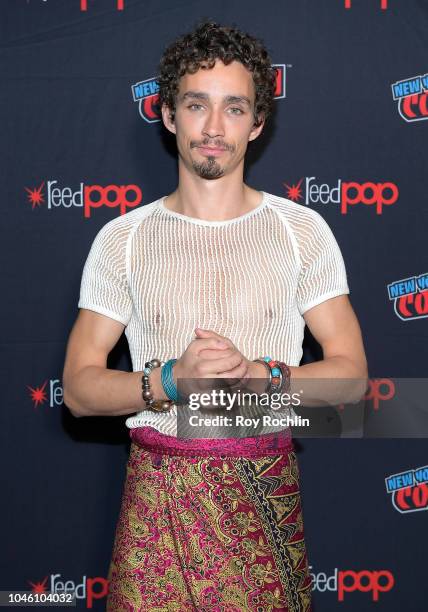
x,y
38,395
294,192
35,195
39,587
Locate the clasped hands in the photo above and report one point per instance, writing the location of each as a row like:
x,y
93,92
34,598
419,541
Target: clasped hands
x,y
211,356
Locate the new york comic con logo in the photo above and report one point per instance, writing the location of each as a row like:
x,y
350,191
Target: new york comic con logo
x,y
345,193
409,490
146,94
411,96
410,296
86,197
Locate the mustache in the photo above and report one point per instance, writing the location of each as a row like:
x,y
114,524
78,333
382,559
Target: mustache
x,y
220,144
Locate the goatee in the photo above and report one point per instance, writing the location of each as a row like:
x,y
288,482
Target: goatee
x,y
209,169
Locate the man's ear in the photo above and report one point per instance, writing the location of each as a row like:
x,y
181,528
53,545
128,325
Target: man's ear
x,y
168,118
257,129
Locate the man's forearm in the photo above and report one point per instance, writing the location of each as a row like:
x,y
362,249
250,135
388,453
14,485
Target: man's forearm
x,y
333,380
98,391
333,367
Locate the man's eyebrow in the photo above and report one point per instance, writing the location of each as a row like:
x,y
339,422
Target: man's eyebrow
x,y
200,95
237,99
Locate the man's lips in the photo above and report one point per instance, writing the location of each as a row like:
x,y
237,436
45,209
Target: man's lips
x,y
211,150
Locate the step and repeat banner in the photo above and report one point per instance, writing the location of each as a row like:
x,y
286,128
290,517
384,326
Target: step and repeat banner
x,y
82,143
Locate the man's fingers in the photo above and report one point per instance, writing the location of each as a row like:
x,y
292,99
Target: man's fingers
x,y
228,364
210,367
215,353
210,343
209,333
239,372
206,332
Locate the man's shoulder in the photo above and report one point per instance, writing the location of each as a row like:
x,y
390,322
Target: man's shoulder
x,y
124,224
296,214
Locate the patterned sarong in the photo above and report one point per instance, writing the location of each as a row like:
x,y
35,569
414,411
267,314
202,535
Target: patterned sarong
x,y
210,526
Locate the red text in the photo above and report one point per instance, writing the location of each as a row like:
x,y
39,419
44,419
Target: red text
x,y
364,581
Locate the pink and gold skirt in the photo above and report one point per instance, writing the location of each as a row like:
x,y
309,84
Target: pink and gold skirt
x,y
210,526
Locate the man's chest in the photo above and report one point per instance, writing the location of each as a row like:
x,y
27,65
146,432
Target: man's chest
x,y
247,281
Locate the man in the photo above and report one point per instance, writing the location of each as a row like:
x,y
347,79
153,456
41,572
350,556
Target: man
x,y
209,526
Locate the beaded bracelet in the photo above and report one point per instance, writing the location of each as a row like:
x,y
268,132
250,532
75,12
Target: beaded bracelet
x,y
267,366
286,376
275,374
279,374
276,382
151,403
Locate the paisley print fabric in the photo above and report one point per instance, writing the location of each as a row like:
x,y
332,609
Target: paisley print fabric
x,y
209,533
257,446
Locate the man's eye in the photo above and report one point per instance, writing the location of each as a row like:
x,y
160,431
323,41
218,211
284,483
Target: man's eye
x,y
239,111
192,105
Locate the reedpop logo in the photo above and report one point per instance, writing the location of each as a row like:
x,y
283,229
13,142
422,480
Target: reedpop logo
x,y
348,581
378,390
51,392
411,96
383,4
89,589
120,4
146,93
86,197
343,193
409,490
410,296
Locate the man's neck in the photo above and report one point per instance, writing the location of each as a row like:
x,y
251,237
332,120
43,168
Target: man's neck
x,y
213,200
214,204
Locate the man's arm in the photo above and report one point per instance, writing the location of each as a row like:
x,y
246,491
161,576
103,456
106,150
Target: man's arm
x,y
90,389
335,327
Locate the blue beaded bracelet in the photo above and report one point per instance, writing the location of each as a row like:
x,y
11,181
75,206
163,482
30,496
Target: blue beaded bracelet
x,y
275,373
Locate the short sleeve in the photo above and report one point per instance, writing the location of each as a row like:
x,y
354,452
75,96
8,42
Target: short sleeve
x,y
104,287
322,273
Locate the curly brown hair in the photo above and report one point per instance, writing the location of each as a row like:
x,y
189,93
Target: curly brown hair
x,y
202,47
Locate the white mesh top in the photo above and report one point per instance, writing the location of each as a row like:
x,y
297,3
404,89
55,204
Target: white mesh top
x,y
250,278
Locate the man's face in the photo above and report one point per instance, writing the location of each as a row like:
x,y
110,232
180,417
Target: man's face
x,y
214,119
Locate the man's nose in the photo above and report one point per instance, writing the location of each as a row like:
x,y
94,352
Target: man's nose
x,y
214,125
